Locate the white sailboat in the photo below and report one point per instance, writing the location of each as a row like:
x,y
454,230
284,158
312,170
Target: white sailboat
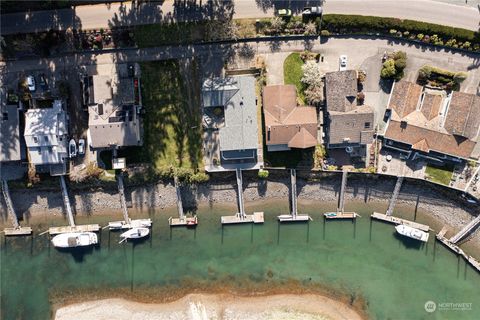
x,y
134,233
75,239
412,232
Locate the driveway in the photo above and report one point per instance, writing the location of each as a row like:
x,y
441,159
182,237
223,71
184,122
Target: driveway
x,y
274,64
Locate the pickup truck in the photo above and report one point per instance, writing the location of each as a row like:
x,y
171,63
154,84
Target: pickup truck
x,y
312,11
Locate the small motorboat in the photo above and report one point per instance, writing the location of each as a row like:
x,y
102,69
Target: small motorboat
x,y
192,222
412,232
75,239
134,233
330,214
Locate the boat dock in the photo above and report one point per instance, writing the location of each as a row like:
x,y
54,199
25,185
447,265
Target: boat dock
x,y
123,201
341,214
396,192
397,221
452,246
17,229
182,220
72,227
242,217
472,225
293,216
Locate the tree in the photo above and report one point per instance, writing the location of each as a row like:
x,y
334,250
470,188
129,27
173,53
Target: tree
x,y
388,69
314,94
277,25
310,28
311,74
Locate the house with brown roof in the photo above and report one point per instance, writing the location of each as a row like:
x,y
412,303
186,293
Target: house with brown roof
x,y
288,125
349,124
432,124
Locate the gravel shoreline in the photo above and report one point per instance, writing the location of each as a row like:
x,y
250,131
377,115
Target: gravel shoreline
x,y
443,205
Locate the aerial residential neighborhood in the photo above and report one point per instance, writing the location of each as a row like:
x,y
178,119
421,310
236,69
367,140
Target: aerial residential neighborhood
x,y
240,159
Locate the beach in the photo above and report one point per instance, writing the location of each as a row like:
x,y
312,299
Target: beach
x,y
218,306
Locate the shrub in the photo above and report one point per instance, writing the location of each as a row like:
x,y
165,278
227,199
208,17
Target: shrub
x,y
324,33
310,29
459,77
199,177
388,69
311,74
263,174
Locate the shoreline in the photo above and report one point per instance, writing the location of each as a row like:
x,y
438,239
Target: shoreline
x,y
219,299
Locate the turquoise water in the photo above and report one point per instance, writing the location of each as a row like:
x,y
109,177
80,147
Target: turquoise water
x,y
394,275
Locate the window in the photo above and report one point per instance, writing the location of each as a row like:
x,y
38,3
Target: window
x,y
367,125
45,138
5,116
35,139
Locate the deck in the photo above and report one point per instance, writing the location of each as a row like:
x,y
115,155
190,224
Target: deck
x,y
446,242
395,220
341,215
256,217
294,218
20,231
82,228
190,221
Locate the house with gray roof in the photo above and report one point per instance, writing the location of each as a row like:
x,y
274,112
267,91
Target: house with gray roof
x,y
46,137
230,123
349,124
9,131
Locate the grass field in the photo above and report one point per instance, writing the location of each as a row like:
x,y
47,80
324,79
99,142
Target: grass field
x,y
441,175
172,130
292,73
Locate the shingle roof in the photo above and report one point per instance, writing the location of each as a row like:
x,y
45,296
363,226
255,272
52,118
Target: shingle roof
x,y
284,120
424,139
463,117
405,97
350,126
341,90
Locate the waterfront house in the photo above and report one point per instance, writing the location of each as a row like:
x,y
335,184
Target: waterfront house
x,y
287,125
46,138
350,124
114,108
9,130
230,122
432,124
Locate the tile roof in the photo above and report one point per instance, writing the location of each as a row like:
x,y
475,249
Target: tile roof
x,y
341,90
431,105
429,140
285,122
463,117
405,97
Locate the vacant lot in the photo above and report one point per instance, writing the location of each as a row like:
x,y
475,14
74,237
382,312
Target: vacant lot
x,y
172,136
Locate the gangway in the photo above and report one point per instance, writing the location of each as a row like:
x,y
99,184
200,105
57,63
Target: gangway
x,y
466,230
396,192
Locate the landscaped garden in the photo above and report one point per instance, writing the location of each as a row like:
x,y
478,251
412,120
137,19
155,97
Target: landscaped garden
x,y
440,78
439,174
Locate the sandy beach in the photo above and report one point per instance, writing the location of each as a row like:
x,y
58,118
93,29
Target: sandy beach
x,y
218,306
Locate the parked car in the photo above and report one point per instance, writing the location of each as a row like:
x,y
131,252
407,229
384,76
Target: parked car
x,y
312,11
284,13
81,146
343,62
31,83
43,82
72,149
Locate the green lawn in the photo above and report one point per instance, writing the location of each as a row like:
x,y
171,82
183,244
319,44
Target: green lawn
x,y
292,73
439,174
172,135
152,35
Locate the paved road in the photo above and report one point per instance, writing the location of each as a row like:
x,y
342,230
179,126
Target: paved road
x,y
102,16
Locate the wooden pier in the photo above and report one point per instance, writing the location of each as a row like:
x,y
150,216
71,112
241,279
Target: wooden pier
x,y
396,192
66,201
452,246
182,219
123,201
397,221
472,225
81,228
340,213
293,216
256,217
17,229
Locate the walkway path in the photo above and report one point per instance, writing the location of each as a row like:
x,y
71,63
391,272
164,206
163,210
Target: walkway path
x,y
103,16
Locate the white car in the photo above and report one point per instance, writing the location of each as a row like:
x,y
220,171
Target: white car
x,y
72,149
81,146
31,83
343,62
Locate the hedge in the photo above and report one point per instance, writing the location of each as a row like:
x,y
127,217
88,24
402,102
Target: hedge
x,y
339,23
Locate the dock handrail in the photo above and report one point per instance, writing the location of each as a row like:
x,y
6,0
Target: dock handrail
x,y
8,201
66,201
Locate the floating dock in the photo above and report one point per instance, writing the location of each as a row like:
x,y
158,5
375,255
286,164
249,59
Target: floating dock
x,y
17,229
341,215
395,220
182,219
294,216
471,260
256,217
66,229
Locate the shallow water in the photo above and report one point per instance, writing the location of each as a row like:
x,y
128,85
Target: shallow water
x,y
395,276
